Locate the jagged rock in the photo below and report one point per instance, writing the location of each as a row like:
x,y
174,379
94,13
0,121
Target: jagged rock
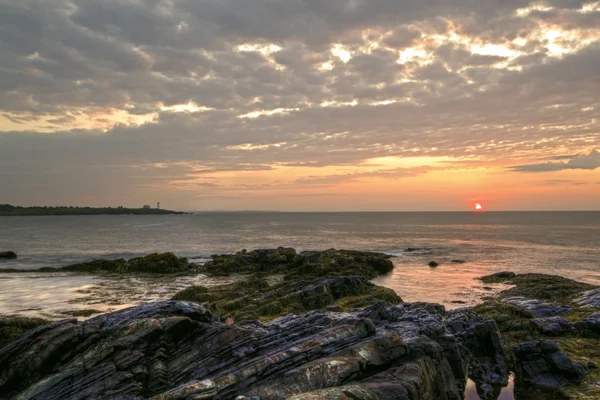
x,y
588,299
175,350
537,307
8,255
481,344
553,326
542,365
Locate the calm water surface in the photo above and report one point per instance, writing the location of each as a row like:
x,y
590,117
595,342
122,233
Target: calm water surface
x,y
562,243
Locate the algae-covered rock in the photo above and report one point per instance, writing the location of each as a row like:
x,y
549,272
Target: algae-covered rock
x,y
538,286
175,350
307,263
11,328
8,255
537,307
254,298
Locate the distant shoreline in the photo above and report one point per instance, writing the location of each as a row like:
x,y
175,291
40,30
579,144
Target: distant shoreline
x,y
10,211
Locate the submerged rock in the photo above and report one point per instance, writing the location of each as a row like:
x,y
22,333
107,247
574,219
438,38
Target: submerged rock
x,y
433,264
176,350
8,255
542,364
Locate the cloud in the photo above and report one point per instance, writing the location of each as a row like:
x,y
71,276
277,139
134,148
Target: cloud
x,y
108,89
586,162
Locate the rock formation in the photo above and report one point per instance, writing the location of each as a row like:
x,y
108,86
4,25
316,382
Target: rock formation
x,y
177,350
8,255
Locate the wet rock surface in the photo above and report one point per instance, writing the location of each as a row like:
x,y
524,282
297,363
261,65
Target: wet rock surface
x,y
179,350
543,365
254,298
553,326
539,308
588,299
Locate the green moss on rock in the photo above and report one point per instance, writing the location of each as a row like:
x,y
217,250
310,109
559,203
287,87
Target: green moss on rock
x,y
294,265
538,286
11,328
254,298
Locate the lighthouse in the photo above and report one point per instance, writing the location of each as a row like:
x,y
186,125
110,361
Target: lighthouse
x,y
158,205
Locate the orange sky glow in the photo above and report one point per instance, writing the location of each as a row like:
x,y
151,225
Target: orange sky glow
x,y
379,108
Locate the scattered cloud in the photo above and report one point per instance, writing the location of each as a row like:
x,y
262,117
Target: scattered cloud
x,y
96,94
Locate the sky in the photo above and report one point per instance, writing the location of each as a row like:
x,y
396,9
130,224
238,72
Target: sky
x,y
301,105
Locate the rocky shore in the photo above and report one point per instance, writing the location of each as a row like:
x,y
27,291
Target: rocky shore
x,y
321,331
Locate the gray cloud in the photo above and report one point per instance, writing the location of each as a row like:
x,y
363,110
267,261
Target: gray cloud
x,y
589,162
67,61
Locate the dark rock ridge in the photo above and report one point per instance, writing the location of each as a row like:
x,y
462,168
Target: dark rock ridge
x,y
164,263
152,263
292,264
176,350
8,255
285,261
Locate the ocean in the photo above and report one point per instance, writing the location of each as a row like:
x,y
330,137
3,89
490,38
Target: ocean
x,y
562,243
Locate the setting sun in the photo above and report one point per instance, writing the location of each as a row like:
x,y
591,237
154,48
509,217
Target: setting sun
x,y
478,207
